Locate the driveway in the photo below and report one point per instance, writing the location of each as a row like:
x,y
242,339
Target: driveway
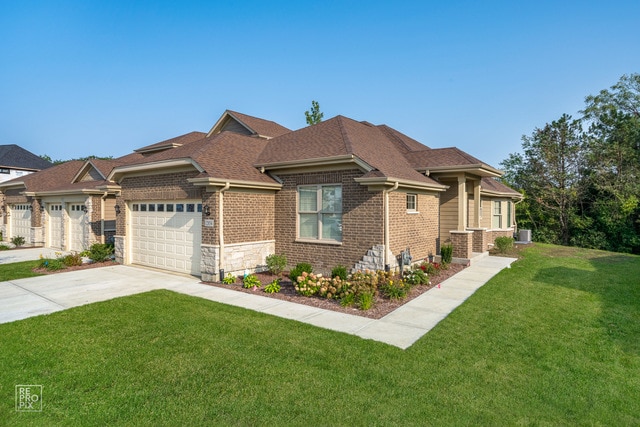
x,y
29,297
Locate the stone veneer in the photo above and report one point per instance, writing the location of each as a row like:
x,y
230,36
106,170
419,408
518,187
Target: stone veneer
x,y
238,257
373,260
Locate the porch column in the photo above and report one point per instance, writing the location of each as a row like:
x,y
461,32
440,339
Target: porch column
x,y
462,203
476,204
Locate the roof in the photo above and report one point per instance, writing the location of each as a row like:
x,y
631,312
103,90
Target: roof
x,y
16,157
492,185
254,125
439,159
341,137
172,142
47,179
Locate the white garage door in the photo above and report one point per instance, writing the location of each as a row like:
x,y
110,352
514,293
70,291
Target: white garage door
x,y
77,219
21,222
167,235
55,226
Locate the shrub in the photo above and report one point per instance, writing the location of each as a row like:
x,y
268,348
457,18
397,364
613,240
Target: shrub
x,y
397,289
348,300
99,252
504,244
308,284
299,269
17,241
250,281
51,264
4,247
430,268
276,263
71,260
416,277
446,251
339,271
365,300
229,279
273,287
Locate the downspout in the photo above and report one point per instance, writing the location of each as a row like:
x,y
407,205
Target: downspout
x,y
220,229
103,198
386,222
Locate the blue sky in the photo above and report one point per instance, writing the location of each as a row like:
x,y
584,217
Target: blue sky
x,y
103,78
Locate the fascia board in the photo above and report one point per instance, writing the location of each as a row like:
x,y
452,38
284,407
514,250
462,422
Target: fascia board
x,y
148,167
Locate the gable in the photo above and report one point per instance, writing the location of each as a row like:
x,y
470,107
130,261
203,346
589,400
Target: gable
x,y
91,175
232,125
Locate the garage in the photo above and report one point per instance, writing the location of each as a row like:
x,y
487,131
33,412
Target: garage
x,y
55,226
21,222
167,235
77,220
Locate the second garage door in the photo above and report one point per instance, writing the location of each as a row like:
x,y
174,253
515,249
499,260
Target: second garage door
x,y
167,235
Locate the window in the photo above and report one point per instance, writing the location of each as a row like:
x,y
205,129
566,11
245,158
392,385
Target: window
x,y
320,212
190,207
4,170
412,203
169,207
497,214
152,207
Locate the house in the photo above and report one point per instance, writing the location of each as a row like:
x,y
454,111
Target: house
x,y
16,162
341,192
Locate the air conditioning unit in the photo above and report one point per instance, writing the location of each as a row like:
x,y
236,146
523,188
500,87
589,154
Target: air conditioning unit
x,y
524,235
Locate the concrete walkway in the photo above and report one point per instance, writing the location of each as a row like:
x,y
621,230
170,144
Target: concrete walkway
x,y
23,298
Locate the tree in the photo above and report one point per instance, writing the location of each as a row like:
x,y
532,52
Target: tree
x,y
549,174
614,163
314,116
582,188
57,162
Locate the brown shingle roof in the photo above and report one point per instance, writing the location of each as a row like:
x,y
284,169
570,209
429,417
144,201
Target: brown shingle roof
x,y
50,178
260,126
173,142
496,186
436,157
226,155
341,136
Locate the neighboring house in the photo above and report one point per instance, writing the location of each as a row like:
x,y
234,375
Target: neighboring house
x,y
16,162
340,192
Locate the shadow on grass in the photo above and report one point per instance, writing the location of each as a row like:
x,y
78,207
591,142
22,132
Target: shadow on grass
x,y
615,280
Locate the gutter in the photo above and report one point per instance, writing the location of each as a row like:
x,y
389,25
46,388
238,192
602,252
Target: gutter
x,y
386,221
221,228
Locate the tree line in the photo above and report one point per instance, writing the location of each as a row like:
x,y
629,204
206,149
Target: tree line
x,y
581,177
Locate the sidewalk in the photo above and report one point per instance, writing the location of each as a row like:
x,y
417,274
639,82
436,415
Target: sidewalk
x,y
24,298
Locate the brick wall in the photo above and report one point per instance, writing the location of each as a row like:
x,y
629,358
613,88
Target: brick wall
x,y
248,216
171,186
416,231
462,242
362,221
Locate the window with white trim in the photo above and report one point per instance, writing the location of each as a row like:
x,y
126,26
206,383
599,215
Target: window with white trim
x,y
497,214
320,212
412,203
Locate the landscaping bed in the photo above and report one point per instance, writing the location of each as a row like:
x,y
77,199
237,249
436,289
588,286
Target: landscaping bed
x,y
381,305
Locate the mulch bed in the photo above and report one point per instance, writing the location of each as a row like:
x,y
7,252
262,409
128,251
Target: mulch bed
x,y
382,306
76,267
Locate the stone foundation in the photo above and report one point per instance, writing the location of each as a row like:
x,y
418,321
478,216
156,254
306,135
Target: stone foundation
x,y
238,257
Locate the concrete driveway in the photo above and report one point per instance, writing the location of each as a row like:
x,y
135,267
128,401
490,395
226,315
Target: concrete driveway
x,y
23,298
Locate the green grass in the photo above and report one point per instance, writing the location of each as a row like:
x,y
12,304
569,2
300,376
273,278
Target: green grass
x,y
18,270
555,340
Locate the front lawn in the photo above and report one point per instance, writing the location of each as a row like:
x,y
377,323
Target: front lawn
x,y
553,340
18,270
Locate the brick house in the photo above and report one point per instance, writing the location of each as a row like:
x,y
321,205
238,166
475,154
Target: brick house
x,y
340,192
